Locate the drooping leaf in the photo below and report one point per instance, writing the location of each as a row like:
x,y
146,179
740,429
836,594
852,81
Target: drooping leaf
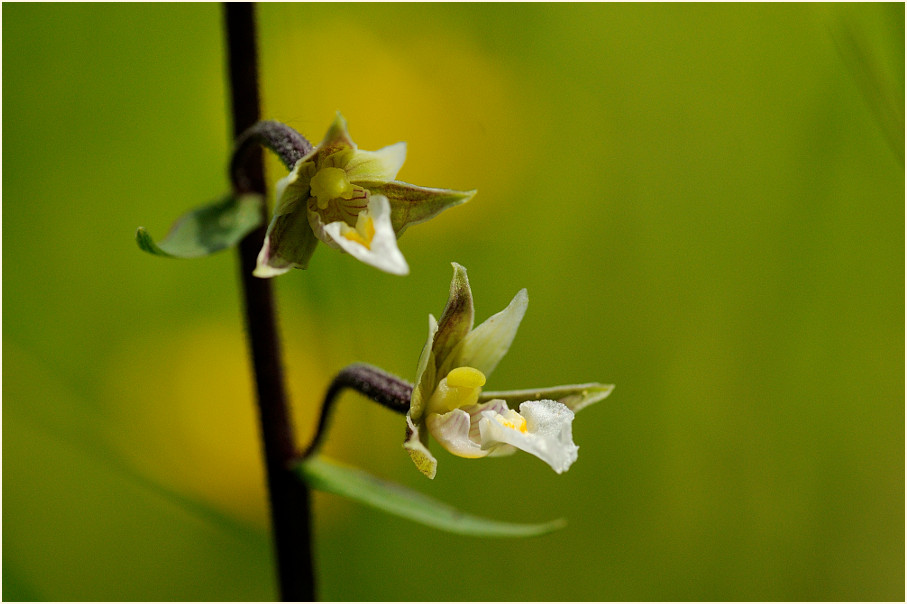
x,y
332,477
208,229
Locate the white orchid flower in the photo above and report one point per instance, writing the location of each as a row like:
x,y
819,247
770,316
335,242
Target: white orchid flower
x,y
448,402
348,199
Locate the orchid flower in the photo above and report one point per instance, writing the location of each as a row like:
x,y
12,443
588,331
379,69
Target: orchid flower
x,y
448,401
348,199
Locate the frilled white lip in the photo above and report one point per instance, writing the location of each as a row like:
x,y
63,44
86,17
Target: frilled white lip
x,y
489,429
382,253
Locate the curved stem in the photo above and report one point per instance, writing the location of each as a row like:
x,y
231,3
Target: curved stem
x,y
285,142
385,389
289,497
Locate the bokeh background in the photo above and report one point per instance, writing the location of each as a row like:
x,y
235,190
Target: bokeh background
x,y
705,202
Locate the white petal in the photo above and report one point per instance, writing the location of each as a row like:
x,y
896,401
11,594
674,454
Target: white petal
x,y
548,435
376,166
502,450
383,252
475,412
486,345
451,430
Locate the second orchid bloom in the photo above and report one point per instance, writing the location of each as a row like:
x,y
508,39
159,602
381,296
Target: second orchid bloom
x,y
348,199
448,401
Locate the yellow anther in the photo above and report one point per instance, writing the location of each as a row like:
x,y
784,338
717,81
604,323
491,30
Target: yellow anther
x,y
328,184
466,377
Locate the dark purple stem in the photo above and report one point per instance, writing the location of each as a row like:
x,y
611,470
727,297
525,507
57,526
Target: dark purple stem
x,y
385,389
289,497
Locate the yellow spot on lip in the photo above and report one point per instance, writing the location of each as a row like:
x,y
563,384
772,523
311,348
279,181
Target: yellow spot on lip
x,y
466,377
364,232
512,421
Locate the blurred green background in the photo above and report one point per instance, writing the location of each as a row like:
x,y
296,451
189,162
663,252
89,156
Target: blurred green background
x,y
705,202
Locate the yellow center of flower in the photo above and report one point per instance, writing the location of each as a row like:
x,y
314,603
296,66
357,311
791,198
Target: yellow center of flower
x,y
364,232
466,377
328,184
514,421
459,389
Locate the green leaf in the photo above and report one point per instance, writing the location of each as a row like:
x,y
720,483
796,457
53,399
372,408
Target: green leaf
x,y
207,229
332,477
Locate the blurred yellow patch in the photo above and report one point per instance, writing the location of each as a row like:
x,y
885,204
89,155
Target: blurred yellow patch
x,y
184,412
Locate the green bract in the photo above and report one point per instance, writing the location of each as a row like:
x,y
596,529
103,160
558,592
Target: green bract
x,y
207,229
448,402
348,199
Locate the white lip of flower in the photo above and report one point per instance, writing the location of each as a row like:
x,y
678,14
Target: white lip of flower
x,y
472,429
448,401
335,202
372,240
347,198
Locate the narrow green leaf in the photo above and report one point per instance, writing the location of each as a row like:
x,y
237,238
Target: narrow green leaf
x,y
332,477
208,229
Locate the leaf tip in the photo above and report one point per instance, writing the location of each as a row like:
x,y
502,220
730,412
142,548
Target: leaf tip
x,y
146,243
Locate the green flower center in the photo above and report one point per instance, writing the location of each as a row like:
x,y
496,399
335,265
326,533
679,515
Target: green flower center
x,y
328,184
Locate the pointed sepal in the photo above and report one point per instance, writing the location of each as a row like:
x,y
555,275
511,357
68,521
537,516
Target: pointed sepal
x,y
416,444
484,347
412,204
575,396
457,319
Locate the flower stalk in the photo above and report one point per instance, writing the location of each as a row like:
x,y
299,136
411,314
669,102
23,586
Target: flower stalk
x,y
289,497
288,144
384,388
